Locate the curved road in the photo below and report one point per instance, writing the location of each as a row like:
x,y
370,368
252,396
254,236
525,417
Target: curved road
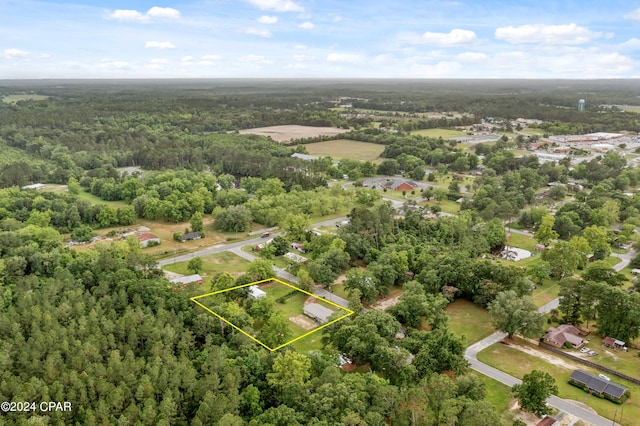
x,y
471,355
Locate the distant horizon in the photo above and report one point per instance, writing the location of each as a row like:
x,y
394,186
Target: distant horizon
x,y
305,39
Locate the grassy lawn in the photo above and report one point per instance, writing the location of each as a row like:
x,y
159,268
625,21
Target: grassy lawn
x,y
447,206
624,362
339,290
214,263
545,292
23,97
470,320
83,195
613,261
345,148
438,133
522,241
498,394
518,363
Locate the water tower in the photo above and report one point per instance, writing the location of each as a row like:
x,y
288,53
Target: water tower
x,y
581,104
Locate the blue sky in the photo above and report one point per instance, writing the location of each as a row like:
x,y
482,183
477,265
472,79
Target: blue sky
x,y
319,38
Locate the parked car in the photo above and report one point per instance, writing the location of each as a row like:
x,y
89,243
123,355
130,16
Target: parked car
x,y
584,350
602,376
593,353
265,234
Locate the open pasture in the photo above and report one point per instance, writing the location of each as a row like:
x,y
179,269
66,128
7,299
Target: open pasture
x,y
345,148
289,132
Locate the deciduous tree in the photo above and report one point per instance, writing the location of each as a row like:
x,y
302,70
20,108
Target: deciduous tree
x,y
536,387
514,314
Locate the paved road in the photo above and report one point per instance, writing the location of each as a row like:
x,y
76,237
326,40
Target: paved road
x,y
236,248
561,404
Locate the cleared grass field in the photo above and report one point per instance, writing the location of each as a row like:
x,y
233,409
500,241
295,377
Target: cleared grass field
x,y
345,148
518,363
545,292
470,320
23,97
214,263
438,133
83,195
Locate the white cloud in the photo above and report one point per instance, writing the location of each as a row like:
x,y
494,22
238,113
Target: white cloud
x,y
300,58
126,15
472,56
15,53
164,12
265,19
631,44
159,61
256,59
211,57
299,47
336,18
633,15
306,25
546,34
257,31
441,69
297,65
277,5
455,37
187,58
129,15
159,45
347,58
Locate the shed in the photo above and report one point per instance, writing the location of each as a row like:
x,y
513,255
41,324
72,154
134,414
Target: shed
x,y
256,293
610,342
304,157
317,312
35,186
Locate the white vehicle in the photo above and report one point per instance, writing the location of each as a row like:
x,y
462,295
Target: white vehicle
x,y
602,376
584,350
593,353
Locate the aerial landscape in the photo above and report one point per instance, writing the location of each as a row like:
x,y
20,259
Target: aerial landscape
x,y
278,212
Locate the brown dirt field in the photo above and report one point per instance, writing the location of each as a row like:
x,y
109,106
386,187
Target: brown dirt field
x,y
303,321
387,302
288,132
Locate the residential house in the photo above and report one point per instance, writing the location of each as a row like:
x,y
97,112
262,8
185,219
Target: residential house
x,y
317,312
35,186
296,258
558,336
304,157
191,236
186,280
598,385
145,238
298,246
400,185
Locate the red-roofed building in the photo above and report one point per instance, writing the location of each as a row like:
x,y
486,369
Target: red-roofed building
x,y
145,238
562,334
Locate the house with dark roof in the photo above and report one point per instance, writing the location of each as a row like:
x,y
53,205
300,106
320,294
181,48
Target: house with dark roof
x,y
191,236
598,385
558,336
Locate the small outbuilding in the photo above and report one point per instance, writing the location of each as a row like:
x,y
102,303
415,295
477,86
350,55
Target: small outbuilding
x,y
317,312
145,238
610,342
256,293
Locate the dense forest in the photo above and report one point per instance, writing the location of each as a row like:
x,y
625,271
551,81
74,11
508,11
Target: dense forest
x,y
103,328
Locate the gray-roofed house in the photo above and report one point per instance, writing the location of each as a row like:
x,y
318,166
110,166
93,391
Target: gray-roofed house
x,y
256,293
598,385
317,312
191,236
305,157
189,279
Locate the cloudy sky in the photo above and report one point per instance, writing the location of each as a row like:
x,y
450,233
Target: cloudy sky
x,y
319,38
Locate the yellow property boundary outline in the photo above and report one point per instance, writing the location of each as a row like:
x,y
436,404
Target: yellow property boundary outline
x,y
195,300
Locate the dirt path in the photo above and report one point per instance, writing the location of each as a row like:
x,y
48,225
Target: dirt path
x,y
547,356
383,304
